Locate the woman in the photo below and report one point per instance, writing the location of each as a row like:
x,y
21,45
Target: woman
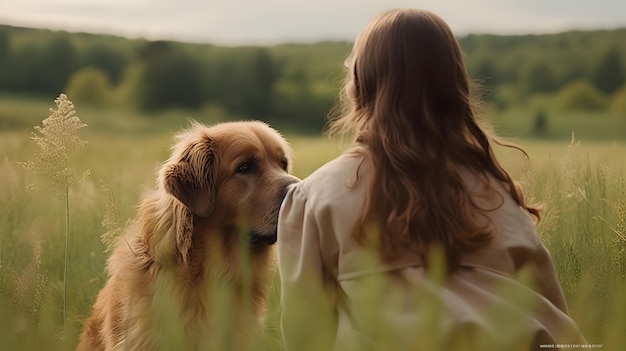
x,y
358,238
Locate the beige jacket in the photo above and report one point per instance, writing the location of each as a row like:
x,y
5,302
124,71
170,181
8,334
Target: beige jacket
x,y
336,292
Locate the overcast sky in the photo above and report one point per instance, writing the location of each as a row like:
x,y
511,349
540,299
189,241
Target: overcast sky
x,y
260,22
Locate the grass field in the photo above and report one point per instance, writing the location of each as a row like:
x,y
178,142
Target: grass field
x,y
583,187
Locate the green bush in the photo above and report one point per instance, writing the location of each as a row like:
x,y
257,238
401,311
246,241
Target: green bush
x,y
618,102
580,95
90,86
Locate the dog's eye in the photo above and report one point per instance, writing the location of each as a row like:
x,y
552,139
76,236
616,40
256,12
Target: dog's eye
x,y
246,167
284,164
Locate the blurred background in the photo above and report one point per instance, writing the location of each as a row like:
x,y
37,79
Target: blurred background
x,y
546,68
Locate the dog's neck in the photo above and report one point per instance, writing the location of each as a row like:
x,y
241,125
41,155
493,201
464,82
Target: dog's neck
x,y
179,240
162,220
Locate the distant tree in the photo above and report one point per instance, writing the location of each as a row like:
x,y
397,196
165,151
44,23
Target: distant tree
x,y
108,59
89,85
486,75
298,106
4,44
486,72
571,73
225,83
259,88
55,66
42,69
537,77
24,68
243,81
608,75
171,78
4,57
155,49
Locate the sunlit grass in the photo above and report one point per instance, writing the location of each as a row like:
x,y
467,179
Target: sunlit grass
x,y
583,188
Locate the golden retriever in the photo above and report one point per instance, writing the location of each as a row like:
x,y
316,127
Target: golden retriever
x,y
209,225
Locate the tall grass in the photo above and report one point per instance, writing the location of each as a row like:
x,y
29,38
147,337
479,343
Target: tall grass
x,y
582,185
57,140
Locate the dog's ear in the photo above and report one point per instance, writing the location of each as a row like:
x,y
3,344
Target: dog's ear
x,y
193,178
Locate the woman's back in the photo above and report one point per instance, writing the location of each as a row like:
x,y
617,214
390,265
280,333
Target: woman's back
x,y
395,301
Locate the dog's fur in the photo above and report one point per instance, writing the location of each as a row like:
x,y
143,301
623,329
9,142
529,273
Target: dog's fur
x,y
210,223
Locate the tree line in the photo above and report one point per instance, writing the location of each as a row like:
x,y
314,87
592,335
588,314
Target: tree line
x,y
579,69
296,84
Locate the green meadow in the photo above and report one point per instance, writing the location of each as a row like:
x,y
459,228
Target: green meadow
x,y
581,182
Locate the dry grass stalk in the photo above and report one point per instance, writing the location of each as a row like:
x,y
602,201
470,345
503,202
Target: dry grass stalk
x,y
57,140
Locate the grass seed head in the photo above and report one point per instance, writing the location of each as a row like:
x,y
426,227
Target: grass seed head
x,y
57,139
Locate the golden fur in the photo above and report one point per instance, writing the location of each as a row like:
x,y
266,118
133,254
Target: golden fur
x,y
186,242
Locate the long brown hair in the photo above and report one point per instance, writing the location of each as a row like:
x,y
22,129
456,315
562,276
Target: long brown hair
x,y
407,100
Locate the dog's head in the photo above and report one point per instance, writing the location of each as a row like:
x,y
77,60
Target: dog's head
x,y
231,175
